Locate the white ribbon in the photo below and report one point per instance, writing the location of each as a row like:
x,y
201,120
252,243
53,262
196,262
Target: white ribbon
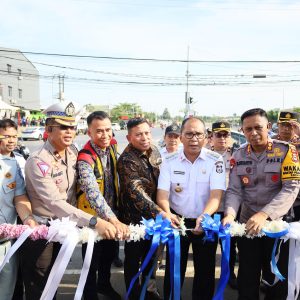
x,y
294,261
86,265
22,238
65,232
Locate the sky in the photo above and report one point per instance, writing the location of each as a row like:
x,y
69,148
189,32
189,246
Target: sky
x,y
220,39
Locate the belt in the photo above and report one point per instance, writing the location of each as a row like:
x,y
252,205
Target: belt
x,y
4,241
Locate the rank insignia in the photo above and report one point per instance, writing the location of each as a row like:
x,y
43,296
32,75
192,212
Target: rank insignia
x,y
11,185
8,175
245,180
178,188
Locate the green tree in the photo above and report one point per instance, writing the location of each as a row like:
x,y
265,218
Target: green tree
x,y
273,115
151,116
166,115
125,109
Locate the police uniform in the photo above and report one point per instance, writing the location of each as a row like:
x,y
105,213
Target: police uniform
x,y
170,130
286,116
50,184
267,183
189,185
12,185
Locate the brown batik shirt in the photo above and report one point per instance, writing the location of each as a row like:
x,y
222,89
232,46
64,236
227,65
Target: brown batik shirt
x,y
138,176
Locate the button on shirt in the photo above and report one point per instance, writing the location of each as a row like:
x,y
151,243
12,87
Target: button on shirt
x,y
189,183
12,185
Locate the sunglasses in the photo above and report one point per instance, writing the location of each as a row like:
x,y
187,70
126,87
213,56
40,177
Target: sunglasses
x,y
220,135
65,127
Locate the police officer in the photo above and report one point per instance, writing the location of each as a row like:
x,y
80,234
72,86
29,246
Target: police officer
x,y
221,143
13,200
172,140
190,184
288,130
264,182
50,182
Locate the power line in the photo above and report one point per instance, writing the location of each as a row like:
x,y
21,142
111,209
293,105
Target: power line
x,y
149,59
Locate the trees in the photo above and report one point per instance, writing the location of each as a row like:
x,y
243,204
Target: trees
x,y
166,115
125,109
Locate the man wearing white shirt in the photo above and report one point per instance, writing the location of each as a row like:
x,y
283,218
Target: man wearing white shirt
x,y
191,184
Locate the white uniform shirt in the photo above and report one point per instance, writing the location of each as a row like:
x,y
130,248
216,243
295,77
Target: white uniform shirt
x,y
164,152
189,183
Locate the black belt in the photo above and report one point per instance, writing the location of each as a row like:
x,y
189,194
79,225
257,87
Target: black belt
x,y
3,242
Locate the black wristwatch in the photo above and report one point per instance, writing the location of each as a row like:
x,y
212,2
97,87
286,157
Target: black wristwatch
x,y
93,222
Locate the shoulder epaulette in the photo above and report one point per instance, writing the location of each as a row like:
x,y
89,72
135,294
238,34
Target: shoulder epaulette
x,y
171,156
213,155
281,142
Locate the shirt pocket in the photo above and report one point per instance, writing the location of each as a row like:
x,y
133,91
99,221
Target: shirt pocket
x,y
9,186
203,182
178,183
273,174
246,175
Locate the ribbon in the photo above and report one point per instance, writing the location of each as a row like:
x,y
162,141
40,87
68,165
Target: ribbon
x,y
86,265
277,236
213,228
66,232
160,231
16,246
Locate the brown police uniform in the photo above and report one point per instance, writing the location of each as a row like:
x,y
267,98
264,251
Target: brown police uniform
x,y
269,183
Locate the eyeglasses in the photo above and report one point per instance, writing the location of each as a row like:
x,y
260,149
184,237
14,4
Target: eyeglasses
x,y
198,135
7,137
220,135
64,127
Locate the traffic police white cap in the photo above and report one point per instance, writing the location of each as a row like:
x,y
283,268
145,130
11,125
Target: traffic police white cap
x,y
63,113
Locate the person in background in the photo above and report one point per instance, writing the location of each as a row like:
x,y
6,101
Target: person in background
x,y
172,140
263,184
13,201
191,183
221,143
51,185
138,168
98,195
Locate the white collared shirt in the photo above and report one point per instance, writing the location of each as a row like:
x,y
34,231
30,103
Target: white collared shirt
x,y
189,184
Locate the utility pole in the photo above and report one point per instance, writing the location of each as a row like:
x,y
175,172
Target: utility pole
x,y
187,93
61,85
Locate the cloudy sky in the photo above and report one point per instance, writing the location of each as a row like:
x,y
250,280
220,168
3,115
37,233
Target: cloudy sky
x,y
222,38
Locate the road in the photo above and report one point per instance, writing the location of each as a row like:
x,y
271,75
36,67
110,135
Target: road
x,y
69,282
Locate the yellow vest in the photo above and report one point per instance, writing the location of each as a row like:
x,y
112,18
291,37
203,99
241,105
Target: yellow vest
x,y
89,155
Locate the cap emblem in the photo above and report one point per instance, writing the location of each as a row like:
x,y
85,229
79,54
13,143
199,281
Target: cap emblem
x,y
70,110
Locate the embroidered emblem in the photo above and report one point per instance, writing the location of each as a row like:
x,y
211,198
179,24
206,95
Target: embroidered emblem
x,y
12,185
248,170
178,188
219,167
43,167
8,175
245,180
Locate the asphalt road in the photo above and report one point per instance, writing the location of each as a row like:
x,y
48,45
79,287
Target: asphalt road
x,y
70,279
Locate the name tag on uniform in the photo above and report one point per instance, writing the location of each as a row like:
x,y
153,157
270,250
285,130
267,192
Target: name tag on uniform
x,y
179,172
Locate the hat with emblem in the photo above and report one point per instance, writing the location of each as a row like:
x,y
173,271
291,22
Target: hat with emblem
x,y
63,113
221,126
287,116
173,129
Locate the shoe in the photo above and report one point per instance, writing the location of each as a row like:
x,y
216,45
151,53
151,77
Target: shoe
x,y
153,296
109,292
118,262
232,282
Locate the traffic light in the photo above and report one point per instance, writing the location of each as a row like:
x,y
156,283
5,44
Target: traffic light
x,y
190,100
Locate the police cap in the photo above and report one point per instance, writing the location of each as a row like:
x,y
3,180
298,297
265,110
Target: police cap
x,y
287,116
221,126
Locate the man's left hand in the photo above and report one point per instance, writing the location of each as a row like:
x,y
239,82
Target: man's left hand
x,y
255,224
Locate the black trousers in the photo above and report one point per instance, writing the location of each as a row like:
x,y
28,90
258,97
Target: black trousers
x,y
135,253
103,256
254,257
204,256
37,259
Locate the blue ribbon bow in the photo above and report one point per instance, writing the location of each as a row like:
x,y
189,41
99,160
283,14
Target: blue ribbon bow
x,y
161,231
214,229
277,236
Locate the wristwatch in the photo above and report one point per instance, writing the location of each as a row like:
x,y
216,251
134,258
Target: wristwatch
x,y
93,222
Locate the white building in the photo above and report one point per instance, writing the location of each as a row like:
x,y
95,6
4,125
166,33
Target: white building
x,y
19,80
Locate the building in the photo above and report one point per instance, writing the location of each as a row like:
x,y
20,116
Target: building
x,y
19,80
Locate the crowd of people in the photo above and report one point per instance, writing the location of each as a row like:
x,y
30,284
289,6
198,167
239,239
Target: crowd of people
x,y
191,176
